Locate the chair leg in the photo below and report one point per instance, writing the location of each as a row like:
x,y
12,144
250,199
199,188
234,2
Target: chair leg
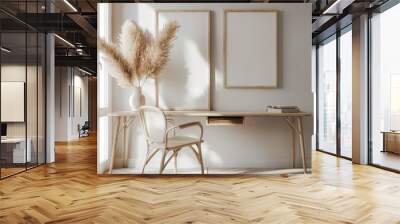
x,y
200,157
164,153
176,161
147,157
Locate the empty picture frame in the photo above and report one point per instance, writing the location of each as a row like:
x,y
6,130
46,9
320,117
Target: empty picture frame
x,y
12,101
251,49
185,82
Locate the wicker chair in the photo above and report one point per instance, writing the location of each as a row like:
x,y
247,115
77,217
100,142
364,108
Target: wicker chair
x,y
161,138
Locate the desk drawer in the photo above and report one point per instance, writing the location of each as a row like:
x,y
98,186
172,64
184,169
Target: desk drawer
x,y
225,121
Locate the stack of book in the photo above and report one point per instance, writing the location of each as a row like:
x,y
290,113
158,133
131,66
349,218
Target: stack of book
x,y
283,109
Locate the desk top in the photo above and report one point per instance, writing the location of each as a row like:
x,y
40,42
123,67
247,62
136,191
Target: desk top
x,y
13,140
391,132
216,114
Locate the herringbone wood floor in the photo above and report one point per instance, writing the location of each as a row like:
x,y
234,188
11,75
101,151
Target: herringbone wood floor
x,y
69,191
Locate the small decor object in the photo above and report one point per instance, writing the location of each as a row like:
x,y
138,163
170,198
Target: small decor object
x,y
283,109
137,98
138,57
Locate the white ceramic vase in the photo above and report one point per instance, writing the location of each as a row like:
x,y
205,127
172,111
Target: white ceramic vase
x,y
137,99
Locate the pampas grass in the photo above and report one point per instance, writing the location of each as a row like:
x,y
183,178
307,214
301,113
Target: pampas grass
x,y
138,55
162,46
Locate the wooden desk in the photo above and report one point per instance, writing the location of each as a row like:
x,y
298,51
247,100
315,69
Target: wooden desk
x,y
18,153
214,114
391,141
126,118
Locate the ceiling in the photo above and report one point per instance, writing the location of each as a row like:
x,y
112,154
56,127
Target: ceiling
x,y
75,22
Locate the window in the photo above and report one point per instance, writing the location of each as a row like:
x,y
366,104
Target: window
x,y
394,102
334,104
385,89
346,93
327,96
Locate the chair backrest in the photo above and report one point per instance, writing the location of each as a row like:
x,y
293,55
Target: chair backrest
x,y
86,125
154,123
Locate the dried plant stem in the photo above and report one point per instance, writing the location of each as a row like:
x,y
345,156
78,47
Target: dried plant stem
x,y
139,55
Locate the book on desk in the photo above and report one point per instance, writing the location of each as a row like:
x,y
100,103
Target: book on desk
x,y
283,109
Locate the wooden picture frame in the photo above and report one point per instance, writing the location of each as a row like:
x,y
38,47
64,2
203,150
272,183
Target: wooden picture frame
x,y
176,59
252,63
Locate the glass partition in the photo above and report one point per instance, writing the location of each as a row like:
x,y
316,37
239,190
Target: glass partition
x,y
32,98
22,77
14,153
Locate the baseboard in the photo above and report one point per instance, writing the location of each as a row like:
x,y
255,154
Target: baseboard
x,y
102,167
210,171
135,169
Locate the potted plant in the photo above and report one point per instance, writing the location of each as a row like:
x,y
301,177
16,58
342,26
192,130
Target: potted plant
x,y
137,57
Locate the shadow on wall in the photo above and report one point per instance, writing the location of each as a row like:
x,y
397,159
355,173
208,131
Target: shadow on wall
x,y
189,76
187,70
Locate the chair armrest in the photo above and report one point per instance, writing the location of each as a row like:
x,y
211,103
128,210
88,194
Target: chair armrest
x,y
186,125
171,123
191,124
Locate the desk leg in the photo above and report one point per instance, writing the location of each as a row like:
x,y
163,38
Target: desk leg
x,y
293,146
302,147
292,124
123,140
126,140
114,145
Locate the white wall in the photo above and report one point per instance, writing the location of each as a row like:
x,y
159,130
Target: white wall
x,y
66,121
263,142
61,103
82,83
104,92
